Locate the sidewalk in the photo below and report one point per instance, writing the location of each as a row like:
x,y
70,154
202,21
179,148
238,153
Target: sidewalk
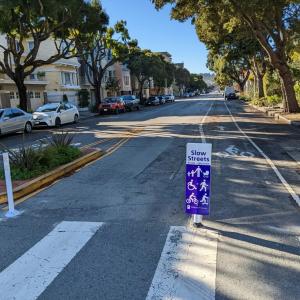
x,y
278,114
87,115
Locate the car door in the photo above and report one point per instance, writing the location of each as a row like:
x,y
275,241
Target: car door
x,y
63,114
7,121
19,119
70,111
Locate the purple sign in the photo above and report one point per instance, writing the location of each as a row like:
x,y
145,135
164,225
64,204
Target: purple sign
x,y
198,174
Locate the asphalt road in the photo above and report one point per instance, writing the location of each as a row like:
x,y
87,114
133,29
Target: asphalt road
x,y
136,194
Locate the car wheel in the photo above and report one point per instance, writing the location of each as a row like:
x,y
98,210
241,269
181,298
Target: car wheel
x,y
75,119
117,111
138,107
57,122
28,127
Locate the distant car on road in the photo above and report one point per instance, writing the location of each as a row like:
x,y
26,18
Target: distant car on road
x,y
14,120
186,95
153,100
112,105
55,114
170,98
131,102
229,93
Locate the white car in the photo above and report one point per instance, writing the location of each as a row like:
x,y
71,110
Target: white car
x,y
55,114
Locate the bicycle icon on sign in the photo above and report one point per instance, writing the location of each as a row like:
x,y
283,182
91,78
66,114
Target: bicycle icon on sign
x,y
192,199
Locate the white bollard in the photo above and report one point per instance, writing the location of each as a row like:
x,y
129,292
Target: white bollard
x,y
198,220
9,190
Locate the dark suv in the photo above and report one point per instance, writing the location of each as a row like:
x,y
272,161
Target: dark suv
x,y
131,102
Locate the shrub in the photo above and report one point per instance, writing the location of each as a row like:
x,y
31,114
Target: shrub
x,y
24,157
60,139
28,162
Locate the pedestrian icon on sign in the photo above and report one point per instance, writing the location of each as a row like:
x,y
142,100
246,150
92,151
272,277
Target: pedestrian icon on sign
x,y
197,172
203,186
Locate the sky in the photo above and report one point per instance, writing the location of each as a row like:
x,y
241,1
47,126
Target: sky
x,y
155,31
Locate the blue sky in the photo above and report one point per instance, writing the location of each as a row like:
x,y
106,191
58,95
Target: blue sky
x,y
154,30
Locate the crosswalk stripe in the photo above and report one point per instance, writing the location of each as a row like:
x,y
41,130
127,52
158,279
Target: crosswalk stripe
x,y
30,274
187,266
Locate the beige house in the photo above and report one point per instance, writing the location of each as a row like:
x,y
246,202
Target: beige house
x,y
47,84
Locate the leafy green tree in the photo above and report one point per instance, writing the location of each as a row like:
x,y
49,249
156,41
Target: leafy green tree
x,y
103,48
144,66
38,20
273,24
113,86
182,78
197,83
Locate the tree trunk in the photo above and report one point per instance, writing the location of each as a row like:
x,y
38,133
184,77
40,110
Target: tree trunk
x,y
260,86
22,90
97,87
288,89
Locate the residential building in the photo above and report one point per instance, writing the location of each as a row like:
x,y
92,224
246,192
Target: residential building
x,y
49,83
122,74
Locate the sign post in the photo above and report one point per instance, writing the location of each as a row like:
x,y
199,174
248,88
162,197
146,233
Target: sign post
x,y
198,175
9,190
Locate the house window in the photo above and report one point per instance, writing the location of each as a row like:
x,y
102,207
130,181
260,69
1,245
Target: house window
x,y
126,80
12,95
37,95
32,76
30,45
30,94
17,95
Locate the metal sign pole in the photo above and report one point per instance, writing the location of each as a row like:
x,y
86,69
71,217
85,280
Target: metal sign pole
x,y
9,190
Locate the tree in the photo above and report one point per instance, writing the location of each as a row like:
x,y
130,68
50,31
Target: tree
x,y
273,24
182,78
144,66
197,83
103,48
113,86
38,20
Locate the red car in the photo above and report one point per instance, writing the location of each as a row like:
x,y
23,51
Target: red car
x,y
112,105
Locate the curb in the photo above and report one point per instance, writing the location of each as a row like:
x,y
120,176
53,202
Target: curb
x,y
277,116
286,120
48,178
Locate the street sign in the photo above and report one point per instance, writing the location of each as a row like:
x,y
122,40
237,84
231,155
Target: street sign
x,y
198,174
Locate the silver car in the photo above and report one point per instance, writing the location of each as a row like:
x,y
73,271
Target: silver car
x,y
15,119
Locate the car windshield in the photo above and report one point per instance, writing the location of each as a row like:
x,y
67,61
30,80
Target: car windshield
x,y
128,98
47,108
152,98
111,100
1,113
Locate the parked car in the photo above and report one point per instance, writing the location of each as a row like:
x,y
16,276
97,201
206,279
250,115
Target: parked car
x,y
131,102
170,98
153,100
55,114
186,95
112,105
14,120
162,99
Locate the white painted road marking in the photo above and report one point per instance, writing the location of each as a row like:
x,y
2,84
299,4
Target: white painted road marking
x,y
187,266
270,162
201,131
29,275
